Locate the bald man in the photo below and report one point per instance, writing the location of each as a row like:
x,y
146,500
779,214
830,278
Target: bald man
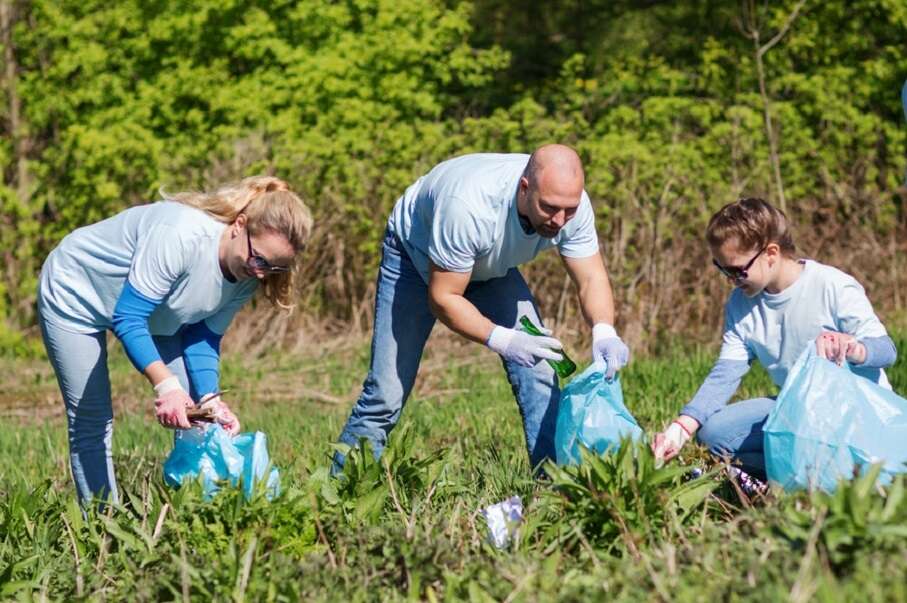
x,y
451,251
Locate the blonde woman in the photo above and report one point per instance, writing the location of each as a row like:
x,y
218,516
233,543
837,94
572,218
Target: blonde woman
x,y
167,279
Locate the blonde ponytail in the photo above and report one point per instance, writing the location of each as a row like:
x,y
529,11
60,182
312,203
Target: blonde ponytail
x,y
268,204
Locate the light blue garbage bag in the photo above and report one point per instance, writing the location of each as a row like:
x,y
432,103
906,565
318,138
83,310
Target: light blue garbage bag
x,y
829,424
592,413
209,451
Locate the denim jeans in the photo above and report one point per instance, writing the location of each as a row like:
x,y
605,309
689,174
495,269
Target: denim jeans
x,y
403,322
735,433
79,361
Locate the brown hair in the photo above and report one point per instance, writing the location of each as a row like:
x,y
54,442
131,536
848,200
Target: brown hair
x,y
754,223
268,204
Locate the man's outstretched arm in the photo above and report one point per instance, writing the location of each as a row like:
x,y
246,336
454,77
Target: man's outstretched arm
x,y
593,288
445,296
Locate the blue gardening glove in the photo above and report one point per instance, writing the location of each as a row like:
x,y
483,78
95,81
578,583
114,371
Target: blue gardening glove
x,y
522,348
608,347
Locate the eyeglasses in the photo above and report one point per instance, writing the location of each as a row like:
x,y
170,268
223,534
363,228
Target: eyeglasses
x,y
735,273
256,262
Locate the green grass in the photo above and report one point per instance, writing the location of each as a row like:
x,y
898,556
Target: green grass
x,y
408,527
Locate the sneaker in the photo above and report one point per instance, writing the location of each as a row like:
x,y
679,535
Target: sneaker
x,y
751,486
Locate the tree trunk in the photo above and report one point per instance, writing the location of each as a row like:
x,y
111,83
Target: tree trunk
x,y
15,127
751,28
769,128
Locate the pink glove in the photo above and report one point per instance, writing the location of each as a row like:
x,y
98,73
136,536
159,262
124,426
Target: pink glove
x,y
171,404
667,444
222,414
840,346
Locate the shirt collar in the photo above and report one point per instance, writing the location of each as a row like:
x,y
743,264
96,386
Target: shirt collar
x,y
525,224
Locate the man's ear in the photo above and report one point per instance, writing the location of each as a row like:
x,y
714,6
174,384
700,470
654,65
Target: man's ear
x,y
522,195
524,185
773,252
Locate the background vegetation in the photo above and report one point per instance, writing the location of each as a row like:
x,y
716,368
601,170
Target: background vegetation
x,y
676,109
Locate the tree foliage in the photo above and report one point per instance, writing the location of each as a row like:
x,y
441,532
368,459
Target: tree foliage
x,y
351,100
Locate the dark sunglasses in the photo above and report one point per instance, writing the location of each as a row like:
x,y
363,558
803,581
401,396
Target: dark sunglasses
x,y
258,262
735,273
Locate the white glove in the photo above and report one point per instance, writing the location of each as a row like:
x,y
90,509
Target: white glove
x,y
222,413
667,444
522,348
608,347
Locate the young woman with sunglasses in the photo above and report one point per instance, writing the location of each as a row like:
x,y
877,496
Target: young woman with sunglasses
x,y
167,279
780,305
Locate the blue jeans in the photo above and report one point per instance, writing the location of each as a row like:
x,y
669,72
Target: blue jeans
x,y
80,363
735,433
403,322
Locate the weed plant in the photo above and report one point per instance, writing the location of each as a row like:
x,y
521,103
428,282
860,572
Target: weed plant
x,y
620,501
407,526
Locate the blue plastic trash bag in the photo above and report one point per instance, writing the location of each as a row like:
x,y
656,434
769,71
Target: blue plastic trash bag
x,y
211,453
592,413
829,424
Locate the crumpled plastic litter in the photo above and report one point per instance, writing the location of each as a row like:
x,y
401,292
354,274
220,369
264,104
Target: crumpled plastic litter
x,y
503,519
592,413
830,424
210,452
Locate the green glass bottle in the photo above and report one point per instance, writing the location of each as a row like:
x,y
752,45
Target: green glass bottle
x,y
564,367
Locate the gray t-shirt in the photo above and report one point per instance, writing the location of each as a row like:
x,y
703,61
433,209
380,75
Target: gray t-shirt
x,y
462,216
167,250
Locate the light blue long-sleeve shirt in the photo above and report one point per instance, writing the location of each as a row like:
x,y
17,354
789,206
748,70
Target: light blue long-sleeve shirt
x,y
774,328
725,377
169,253
149,270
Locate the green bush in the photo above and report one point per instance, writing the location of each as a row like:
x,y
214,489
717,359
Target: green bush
x,y
620,500
351,101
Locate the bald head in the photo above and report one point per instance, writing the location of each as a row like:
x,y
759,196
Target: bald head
x,y
551,188
556,169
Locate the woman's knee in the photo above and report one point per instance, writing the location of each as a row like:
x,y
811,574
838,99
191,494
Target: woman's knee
x,y
90,433
721,432
737,426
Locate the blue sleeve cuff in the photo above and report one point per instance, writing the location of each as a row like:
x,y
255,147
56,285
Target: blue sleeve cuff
x,y
201,353
130,325
716,390
880,352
